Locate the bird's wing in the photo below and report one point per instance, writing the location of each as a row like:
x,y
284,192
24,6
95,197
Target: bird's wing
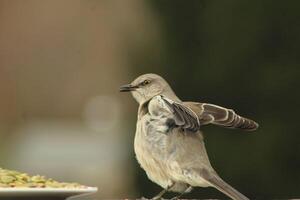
x,y
190,115
213,114
184,116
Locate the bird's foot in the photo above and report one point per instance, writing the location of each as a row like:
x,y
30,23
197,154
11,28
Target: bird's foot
x,y
180,195
154,198
157,197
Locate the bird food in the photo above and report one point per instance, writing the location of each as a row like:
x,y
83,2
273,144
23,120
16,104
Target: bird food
x,y
15,179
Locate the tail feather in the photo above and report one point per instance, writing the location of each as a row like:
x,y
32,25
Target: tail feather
x,y
215,181
222,186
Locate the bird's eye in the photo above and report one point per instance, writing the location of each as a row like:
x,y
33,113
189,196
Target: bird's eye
x,y
145,82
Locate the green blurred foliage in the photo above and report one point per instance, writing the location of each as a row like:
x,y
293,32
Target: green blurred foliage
x,y
242,55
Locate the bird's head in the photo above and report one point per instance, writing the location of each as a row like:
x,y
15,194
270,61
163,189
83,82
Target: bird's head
x,y
146,86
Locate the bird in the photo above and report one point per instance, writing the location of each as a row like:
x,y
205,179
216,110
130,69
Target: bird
x,y
168,142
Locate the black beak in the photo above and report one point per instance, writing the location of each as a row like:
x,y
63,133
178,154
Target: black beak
x,y
128,88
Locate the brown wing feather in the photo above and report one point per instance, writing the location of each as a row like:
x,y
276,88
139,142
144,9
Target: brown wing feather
x,y
213,114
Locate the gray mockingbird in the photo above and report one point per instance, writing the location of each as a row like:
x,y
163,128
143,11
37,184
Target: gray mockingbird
x,y
168,143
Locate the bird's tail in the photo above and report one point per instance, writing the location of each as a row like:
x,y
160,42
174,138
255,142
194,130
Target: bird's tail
x,y
222,186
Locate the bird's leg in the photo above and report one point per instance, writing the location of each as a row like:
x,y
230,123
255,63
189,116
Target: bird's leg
x,y
185,191
159,195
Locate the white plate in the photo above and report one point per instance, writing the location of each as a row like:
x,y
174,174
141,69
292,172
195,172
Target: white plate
x,y
44,193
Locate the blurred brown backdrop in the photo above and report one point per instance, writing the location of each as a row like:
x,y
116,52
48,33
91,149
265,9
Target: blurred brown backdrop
x,y
61,63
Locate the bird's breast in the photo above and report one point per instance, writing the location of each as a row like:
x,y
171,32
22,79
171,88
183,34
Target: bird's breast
x,y
150,147
151,134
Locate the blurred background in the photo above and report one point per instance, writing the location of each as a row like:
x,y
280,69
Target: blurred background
x,y
62,62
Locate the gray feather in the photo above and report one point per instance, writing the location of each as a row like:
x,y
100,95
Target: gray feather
x,y
217,115
221,185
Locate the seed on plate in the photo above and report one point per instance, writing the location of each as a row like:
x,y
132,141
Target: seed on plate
x,y
7,179
10,178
